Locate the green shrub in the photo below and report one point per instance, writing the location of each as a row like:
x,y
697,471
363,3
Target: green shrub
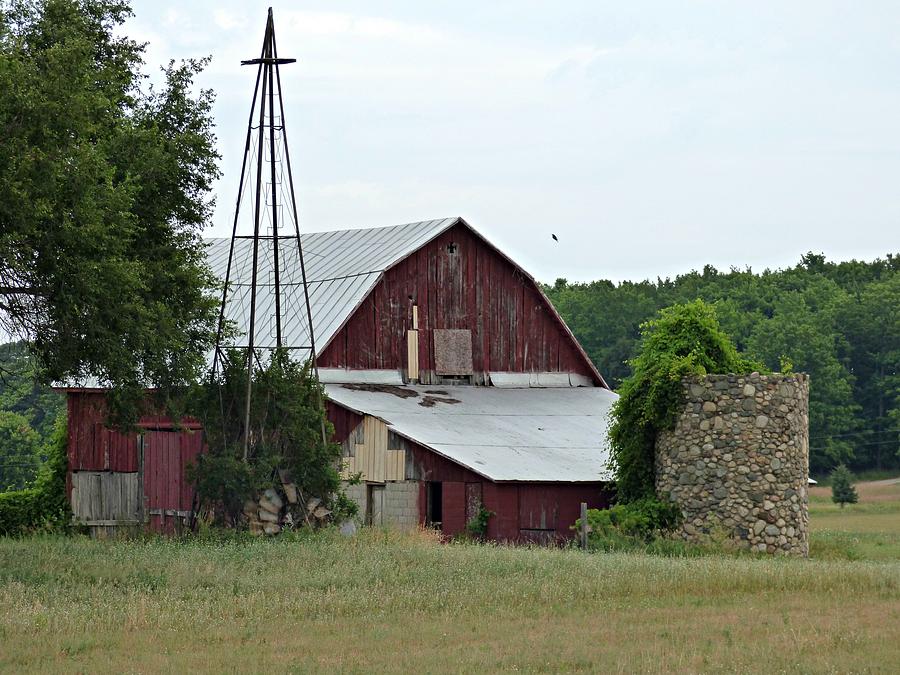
x,y
642,520
650,526
478,524
286,423
44,505
684,340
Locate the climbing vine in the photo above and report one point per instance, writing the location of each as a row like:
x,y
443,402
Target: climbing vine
x,y
683,340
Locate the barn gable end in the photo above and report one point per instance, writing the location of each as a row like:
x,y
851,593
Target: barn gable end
x,y
457,281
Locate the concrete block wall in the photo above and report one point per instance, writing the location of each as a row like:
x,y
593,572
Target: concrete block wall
x,y
358,494
401,504
738,459
400,507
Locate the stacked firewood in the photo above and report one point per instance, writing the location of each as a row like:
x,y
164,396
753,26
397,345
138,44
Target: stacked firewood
x,y
284,509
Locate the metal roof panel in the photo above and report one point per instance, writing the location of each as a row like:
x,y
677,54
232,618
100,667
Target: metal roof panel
x,y
341,268
527,435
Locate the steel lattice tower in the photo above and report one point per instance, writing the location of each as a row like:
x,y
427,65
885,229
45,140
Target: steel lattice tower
x,y
267,140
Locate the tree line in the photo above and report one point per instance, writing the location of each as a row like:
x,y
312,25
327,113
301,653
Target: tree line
x,y
837,321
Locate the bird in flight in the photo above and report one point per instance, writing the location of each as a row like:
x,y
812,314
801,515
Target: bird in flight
x,y
555,238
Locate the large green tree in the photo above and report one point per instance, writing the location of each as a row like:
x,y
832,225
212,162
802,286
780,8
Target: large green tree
x,y
104,191
806,340
870,318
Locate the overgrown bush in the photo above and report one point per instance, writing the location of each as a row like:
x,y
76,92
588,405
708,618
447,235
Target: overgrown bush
x,y
650,526
684,340
42,506
642,520
478,524
286,424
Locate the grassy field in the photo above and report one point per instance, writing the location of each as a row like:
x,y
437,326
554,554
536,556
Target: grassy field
x,y
401,603
869,530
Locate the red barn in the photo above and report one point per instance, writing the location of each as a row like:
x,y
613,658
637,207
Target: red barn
x,y
453,383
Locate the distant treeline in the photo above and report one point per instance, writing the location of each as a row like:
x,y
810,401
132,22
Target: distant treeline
x,y
839,322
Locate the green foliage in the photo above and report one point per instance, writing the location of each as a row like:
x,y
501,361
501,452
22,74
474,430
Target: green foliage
x,y
836,321
104,190
20,448
477,526
28,413
43,506
684,340
643,520
286,421
20,511
842,490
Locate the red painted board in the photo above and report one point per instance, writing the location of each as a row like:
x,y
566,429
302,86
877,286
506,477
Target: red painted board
x,y
453,507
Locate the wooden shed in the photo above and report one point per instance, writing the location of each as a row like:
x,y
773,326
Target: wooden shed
x,y
130,480
453,384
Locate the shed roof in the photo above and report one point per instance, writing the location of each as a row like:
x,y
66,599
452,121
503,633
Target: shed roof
x,y
341,268
505,435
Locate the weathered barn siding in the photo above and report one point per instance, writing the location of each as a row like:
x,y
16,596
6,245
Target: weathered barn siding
x,y
458,281
150,463
374,452
522,511
343,420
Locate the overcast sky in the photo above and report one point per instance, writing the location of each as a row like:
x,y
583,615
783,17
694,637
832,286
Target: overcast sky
x,y
651,137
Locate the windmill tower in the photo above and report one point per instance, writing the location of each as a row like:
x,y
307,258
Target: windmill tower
x,y
266,289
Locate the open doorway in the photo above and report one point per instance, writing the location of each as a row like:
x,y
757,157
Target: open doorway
x,y
434,494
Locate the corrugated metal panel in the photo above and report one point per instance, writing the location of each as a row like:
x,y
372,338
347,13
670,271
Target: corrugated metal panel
x,y
541,435
341,268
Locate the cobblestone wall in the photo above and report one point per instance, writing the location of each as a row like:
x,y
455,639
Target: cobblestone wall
x,y
738,460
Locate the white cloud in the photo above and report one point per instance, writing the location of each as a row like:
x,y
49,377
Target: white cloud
x,y
335,24
228,20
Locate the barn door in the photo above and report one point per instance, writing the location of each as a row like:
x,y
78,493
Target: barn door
x,y
169,496
375,505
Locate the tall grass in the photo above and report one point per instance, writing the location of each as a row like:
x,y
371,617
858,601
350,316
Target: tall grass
x,y
386,601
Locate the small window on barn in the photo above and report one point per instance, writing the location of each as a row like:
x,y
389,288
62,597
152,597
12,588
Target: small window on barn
x,y
451,248
395,442
453,351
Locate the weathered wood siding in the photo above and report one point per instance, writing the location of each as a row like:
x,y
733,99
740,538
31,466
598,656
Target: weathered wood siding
x,y
539,512
104,463
169,495
102,498
457,282
343,420
373,451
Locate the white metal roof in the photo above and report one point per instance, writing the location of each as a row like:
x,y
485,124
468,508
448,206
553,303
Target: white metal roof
x,y
341,268
528,435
